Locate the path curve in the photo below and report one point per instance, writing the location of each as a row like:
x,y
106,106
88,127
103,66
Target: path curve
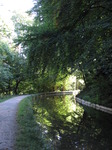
x,y
8,124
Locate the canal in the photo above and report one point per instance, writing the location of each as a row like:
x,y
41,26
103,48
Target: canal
x,y
67,125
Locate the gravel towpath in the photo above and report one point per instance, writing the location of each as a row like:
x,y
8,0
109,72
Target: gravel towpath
x,y
8,124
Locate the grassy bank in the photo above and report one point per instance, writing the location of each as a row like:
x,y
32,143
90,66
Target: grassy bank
x,y
94,95
6,97
29,135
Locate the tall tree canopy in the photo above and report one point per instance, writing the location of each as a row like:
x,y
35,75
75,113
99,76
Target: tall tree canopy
x,y
72,35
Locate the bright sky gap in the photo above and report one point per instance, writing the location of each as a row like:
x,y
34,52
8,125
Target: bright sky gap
x,y
7,7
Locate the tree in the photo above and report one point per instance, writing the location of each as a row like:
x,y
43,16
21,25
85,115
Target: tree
x,y
5,73
69,36
5,32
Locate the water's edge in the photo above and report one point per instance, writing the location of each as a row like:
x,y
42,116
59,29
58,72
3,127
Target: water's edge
x,y
81,101
95,106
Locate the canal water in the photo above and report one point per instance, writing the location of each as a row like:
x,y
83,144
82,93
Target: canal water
x,y
68,125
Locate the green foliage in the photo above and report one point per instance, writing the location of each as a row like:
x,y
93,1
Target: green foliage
x,y
20,22
12,70
5,32
13,63
5,58
4,98
71,35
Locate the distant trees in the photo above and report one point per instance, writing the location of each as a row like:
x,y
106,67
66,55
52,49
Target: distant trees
x,y
5,32
12,64
12,70
5,74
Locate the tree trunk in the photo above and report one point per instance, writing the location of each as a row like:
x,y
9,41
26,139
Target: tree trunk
x,y
16,87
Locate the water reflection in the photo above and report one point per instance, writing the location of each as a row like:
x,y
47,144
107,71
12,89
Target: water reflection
x,y
70,126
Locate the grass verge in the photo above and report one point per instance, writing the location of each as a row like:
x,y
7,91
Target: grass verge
x,y
94,95
4,98
29,136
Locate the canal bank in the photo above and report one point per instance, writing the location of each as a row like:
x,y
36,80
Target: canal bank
x,y
95,106
79,100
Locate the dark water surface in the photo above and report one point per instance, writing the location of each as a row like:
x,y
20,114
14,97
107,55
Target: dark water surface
x,y
70,126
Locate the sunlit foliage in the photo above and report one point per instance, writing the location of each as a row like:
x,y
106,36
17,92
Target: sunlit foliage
x,y
72,35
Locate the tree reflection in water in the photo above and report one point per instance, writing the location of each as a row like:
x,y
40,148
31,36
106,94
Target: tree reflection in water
x,y
70,126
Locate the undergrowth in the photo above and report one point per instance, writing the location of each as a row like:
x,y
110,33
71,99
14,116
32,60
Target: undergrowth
x,y
95,95
6,97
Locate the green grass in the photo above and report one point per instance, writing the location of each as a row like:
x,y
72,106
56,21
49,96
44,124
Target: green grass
x,y
94,95
89,95
4,98
29,136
